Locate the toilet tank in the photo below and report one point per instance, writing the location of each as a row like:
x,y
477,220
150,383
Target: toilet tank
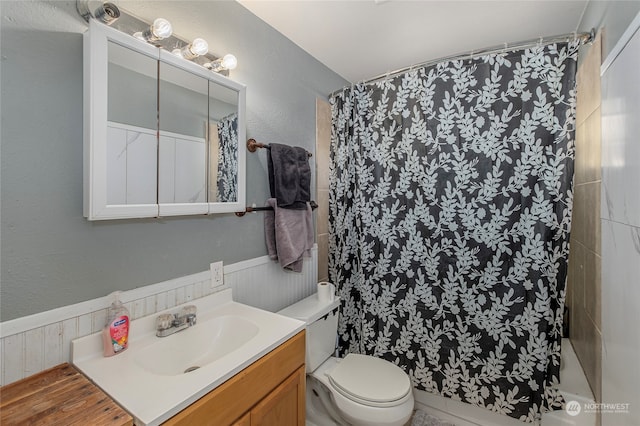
x,y
322,327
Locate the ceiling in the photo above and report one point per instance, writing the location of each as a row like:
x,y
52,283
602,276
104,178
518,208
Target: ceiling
x,y
360,39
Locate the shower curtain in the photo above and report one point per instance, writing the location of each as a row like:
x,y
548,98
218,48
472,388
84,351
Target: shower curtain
x,y
450,211
228,159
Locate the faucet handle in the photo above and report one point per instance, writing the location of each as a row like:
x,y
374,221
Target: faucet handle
x,y
189,310
164,321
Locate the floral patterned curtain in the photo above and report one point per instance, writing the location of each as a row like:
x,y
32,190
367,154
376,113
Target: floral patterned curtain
x,y
450,211
228,159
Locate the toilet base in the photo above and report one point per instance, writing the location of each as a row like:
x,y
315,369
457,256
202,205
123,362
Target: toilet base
x,y
316,411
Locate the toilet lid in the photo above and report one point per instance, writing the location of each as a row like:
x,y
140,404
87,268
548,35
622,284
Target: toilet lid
x,y
368,379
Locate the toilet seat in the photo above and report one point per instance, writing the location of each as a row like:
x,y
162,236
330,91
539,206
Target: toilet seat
x,y
370,381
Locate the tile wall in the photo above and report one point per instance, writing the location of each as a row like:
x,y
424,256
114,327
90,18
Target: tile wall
x,y
583,284
620,215
323,142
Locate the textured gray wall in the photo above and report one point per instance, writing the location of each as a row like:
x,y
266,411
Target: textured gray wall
x,y
51,255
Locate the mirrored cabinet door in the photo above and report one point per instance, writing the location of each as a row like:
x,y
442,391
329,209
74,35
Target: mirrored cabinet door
x,y
226,147
182,158
120,108
132,122
223,144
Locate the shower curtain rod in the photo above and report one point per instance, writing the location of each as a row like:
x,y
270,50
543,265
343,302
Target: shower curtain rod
x,y
584,37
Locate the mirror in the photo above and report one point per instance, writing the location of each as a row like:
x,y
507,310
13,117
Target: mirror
x,y
162,135
131,127
223,144
182,137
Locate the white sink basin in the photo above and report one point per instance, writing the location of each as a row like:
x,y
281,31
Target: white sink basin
x,y
196,346
149,380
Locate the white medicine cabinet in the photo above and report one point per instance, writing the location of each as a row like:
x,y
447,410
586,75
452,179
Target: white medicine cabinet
x,y
161,134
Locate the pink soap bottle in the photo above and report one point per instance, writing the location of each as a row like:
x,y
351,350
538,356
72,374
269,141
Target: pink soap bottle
x,y
115,335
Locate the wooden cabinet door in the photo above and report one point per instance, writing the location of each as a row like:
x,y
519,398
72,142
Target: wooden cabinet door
x,y
243,421
285,405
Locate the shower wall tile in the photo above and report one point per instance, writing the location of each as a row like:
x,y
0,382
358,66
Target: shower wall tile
x,y
586,215
621,230
584,281
592,359
576,269
580,165
575,274
588,81
591,213
323,264
621,149
592,287
593,135
578,215
621,316
323,143
323,211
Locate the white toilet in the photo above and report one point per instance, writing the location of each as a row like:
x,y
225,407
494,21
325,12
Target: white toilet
x,y
358,390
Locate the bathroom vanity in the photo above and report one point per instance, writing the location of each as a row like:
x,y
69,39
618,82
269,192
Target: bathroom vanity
x,y
269,392
237,365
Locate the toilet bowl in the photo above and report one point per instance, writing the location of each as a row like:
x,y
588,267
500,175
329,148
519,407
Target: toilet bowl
x,y
367,404
358,390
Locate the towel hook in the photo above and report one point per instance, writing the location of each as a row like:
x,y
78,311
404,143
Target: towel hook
x,y
253,145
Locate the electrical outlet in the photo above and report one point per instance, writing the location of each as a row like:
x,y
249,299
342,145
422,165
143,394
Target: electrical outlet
x,y
217,274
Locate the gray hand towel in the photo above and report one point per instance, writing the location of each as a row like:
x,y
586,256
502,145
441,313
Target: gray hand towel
x,y
289,235
289,175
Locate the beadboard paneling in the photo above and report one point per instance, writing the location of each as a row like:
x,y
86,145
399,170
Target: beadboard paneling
x,y
32,344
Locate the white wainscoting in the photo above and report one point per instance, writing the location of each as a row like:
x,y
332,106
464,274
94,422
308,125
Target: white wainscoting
x,y
34,343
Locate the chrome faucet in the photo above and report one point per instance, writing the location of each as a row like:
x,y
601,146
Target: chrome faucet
x,y
168,324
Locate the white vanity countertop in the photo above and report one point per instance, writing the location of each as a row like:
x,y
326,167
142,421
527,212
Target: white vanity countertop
x,y
154,398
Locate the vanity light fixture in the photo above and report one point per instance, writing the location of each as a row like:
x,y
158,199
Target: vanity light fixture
x,y
103,11
227,62
159,30
198,47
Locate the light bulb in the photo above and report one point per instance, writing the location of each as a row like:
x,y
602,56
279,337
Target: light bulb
x,y
227,62
197,47
160,29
